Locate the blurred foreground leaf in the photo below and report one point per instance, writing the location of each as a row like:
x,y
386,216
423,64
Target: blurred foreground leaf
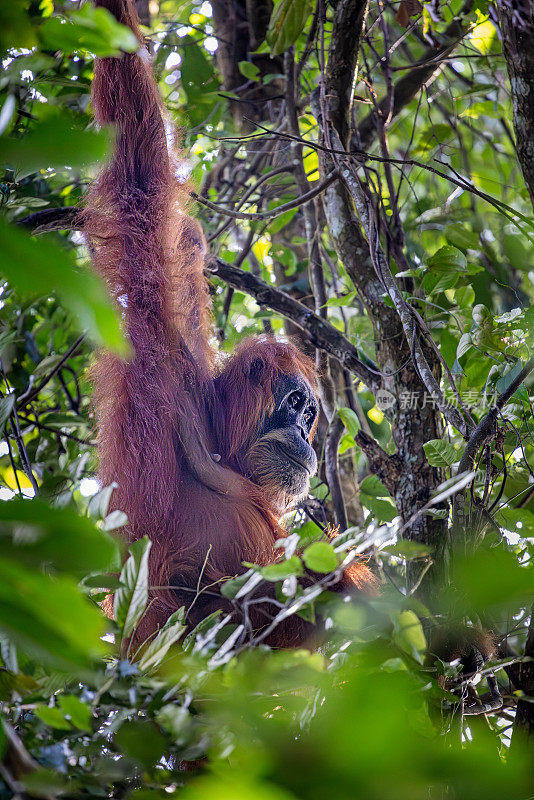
x,y
90,28
39,267
36,535
49,617
59,139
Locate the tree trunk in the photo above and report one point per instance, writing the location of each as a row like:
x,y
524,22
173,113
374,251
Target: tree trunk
x,y
517,25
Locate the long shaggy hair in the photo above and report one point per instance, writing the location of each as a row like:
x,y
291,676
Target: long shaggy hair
x,y
173,430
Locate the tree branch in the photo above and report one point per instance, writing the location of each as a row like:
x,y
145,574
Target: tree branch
x,y
65,218
319,333
485,430
408,320
274,212
422,74
349,16
387,467
486,426
517,24
331,465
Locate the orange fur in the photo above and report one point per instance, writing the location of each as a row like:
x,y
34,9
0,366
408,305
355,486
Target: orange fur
x,y
164,412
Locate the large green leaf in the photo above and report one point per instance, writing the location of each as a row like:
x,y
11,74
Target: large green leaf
x,y
372,485
131,599
199,80
59,139
492,577
350,420
447,259
440,453
408,634
320,557
282,569
287,23
90,28
382,510
40,267
49,617
142,741
78,712
15,27
168,635
57,538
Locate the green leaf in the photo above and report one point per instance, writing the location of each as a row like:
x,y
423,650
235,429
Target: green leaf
x,y
283,569
44,783
98,505
286,24
78,712
373,486
141,740
408,549
231,587
90,28
349,420
516,251
6,407
199,80
432,136
53,717
435,282
508,316
346,443
465,344
518,520
7,338
249,70
285,256
102,581
464,296
491,577
408,634
60,421
320,557
40,267
506,380
116,519
283,220
440,453
461,237
382,510
49,618
59,139
16,29
130,602
47,364
167,636
56,537
309,532
447,259
344,300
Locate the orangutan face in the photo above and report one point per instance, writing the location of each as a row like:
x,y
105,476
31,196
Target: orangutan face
x,y
282,459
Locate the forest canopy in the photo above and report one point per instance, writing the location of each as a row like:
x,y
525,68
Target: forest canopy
x,y
364,175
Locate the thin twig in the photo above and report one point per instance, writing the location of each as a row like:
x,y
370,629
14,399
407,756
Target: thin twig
x,y
27,398
275,212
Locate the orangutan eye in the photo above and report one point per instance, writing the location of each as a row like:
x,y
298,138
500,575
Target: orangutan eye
x,y
296,400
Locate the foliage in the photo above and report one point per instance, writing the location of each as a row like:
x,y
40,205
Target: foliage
x,y
367,715
273,724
